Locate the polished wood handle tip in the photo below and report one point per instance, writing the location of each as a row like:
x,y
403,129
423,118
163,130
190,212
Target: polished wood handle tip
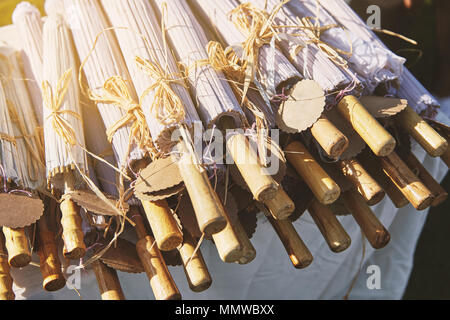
x,y
433,143
163,286
16,242
71,222
281,206
407,182
299,254
369,129
336,237
330,138
163,224
108,282
6,281
370,225
320,183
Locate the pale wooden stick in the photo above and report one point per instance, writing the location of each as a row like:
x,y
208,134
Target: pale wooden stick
x,y
299,254
372,228
208,208
370,130
407,182
439,193
372,165
336,237
16,242
227,242
195,268
6,281
163,224
361,179
108,281
71,222
330,138
248,251
261,184
320,183
280,207
163,286
53,278
433,143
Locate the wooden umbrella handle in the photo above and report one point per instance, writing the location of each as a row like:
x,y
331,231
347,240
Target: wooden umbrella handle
x,y
6,281
71,222
336,237
372,228
280,207
371,191
433,143
16,242
330,138
299,254
108,281
372,165
163,286
248,250
227,242
439,193
259,181
369,129
208,208
163,224
320,183
53,278
407,182
194,265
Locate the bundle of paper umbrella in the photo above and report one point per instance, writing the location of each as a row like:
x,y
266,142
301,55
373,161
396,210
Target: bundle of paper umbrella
x,y
186,121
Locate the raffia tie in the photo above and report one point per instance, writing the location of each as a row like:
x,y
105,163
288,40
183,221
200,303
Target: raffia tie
x,y
54,101
116,92
167,105
313,31
259,28
32,141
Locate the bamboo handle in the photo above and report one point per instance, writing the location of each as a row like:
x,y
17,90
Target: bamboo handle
x,y
336,237
439,193
16,242
299,254
363,181
320,183
227,242
330,138
259,181
280,207
108,281
248,251
372,165
373,229
74,247
407,182
208,208
433,143
6,281
71,222
53,278
163,286
163,224
369,129
195,268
